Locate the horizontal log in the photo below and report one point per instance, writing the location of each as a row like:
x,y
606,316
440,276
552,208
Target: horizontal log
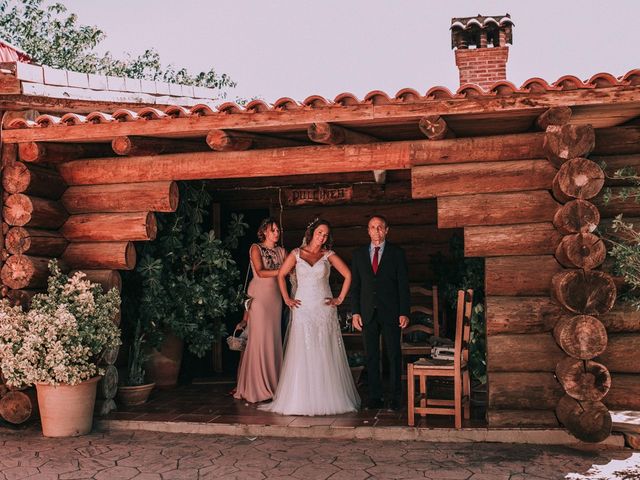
x,y
584,292
532,352
617,140
100,255
581,250
524,390
624,393
107,278
525,239
514,315
582,336
304,160
587,421
413,213
23,271
617,203
520,275
227,141
554,116
110,227
21,297
577,178
135,145
434,127
564,142
33,241
497,418
432,181
496,209
621,355
577,216
540,314
22,210
331,134
583,380
44,152
128,197
33,180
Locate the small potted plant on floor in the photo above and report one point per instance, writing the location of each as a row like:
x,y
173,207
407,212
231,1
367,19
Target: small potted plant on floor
x,y
56,346
135,390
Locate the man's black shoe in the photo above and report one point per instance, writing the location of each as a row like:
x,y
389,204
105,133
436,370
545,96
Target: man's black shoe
x,y
375,404
394,405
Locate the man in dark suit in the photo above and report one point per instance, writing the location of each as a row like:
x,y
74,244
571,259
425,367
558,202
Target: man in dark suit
x,y
380,297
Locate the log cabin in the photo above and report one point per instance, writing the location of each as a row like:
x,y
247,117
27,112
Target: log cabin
x,y
516,171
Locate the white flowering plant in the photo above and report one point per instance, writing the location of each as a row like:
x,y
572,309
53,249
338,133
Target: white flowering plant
x,y
61,337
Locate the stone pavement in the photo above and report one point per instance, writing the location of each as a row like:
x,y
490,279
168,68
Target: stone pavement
x,y
150,455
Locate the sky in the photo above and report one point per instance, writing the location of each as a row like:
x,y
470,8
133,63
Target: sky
x,y
298,48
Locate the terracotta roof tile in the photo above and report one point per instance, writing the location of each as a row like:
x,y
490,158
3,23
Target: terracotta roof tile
x,y
534,85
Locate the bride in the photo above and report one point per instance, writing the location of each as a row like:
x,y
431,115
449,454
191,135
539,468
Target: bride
x,y
315,377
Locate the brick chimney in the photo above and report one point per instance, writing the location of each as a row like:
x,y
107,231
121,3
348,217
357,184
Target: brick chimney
x,y
481,48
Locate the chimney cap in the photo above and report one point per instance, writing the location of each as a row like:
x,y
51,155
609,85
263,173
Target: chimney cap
x,y
481,31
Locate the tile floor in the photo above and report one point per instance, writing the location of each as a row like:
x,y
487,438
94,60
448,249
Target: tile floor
x,y
209,401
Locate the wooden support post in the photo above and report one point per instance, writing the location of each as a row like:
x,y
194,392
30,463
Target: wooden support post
x,y
577,178
35,242
23,271
582,336
564,142
584,292
331,134
134,145
23,210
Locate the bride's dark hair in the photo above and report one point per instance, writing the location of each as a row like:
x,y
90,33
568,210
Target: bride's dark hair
x,y
311,228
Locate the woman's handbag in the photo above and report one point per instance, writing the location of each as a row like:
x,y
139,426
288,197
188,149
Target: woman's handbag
x,y
237,343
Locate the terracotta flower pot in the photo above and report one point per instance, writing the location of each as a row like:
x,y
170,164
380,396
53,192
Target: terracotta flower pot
x,y
135,394
163,365
67,410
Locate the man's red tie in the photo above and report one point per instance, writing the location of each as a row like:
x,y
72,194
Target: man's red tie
x,y
374,264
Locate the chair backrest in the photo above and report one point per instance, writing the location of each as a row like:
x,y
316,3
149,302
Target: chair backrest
x,y
420,296
463,326
417,328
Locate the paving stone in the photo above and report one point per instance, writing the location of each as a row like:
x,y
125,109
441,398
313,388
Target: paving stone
x,y
448,473
315,472
195,461
16,473
217,471
392,471
181,474
148,476
349,475
121,473
358,461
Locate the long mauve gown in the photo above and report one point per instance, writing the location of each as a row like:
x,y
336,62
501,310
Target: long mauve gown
x,y
262,359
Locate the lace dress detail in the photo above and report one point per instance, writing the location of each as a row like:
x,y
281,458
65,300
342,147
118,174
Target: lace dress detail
x,y
315,377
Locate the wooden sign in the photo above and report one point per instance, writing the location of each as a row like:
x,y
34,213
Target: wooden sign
x,y
318,195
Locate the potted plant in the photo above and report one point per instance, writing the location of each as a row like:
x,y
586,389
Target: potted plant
x,y
135,390
185,284
56,346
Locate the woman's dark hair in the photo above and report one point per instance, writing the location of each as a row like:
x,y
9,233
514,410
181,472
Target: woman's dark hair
x,y
311,228
264,226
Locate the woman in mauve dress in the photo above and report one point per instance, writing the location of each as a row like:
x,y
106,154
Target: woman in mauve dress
x,y
262,358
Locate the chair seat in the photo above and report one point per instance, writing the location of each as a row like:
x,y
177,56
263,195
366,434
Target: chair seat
x,y
432,363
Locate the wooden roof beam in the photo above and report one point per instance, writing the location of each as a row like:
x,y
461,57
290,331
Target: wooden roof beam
x,y
46,152
229,141
325,159
434,127
131,145
332,134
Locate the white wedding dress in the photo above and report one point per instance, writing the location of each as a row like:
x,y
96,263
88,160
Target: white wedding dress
x,y
315,378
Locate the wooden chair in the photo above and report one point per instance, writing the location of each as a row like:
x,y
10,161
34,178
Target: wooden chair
x,y
456,369
420,297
